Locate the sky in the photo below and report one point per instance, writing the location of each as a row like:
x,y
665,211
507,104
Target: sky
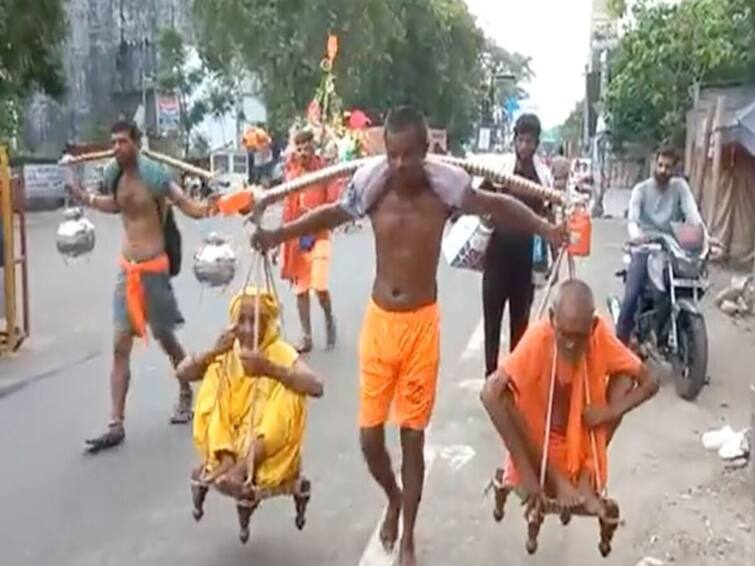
x,y
555,34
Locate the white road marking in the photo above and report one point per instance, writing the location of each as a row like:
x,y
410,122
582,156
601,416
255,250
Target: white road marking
x,y
471,385
374,554
476,341
457,455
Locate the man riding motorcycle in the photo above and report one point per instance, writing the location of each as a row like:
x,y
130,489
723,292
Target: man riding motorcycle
x,y
655,204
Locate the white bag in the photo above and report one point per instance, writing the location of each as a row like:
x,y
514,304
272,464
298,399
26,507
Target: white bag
x,y
466,243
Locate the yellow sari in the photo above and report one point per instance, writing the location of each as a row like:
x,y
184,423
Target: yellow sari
x,y
232,409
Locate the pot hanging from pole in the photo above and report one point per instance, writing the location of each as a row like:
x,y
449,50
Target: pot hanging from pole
x,y
215,261
75,235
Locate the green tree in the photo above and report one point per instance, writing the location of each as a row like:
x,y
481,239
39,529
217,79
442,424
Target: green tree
x,y
572,129
174,76
424,52
31,36
668,50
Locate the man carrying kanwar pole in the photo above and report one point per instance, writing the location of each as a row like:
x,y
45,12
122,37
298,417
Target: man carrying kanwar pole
x,y
595,382
409,199
306,260
141,191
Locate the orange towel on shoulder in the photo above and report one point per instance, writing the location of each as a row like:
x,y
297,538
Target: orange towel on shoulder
x,y
136,302
530,367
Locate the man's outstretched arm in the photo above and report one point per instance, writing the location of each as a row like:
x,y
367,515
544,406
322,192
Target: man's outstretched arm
x,y
326,217
189,206
512,214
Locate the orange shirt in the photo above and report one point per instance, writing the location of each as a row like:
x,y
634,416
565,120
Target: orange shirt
x,y
530,367
293,262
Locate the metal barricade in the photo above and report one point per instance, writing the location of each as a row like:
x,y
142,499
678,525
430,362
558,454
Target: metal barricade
x,y
14,255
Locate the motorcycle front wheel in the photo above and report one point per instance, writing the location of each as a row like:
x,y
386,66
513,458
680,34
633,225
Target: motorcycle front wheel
x,y
691,362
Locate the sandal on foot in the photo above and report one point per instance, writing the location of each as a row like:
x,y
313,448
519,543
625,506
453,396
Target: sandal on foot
x,y
305,345
114,436
183,413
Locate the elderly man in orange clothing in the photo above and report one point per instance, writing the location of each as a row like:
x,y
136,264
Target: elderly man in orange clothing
x,y
306,260
597,380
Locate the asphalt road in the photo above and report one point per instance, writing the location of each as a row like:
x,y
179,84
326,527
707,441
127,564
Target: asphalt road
x,y
132,505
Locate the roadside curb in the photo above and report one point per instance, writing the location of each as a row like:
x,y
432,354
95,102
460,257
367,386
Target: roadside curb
x,y
13,385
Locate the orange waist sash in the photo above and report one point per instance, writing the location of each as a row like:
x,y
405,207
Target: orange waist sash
x,y
136,303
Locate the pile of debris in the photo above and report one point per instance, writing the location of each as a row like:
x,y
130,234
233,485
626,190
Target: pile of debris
x,y
738,299
733,447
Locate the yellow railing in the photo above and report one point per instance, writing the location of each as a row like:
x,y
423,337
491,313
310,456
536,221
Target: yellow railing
x,y
12,336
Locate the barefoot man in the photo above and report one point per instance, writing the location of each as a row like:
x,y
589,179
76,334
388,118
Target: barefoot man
x,y
408,199
588,357
306,260
140,190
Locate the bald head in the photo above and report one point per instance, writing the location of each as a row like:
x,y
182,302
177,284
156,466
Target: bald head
x,y
573,317
574,298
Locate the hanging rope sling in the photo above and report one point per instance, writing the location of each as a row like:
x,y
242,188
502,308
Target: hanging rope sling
x,y
298,486
538,508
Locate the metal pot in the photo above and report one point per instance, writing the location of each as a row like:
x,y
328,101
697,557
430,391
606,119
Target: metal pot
x,y
215,261
75,236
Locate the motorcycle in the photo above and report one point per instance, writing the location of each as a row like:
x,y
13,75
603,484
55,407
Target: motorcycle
x,y
669,325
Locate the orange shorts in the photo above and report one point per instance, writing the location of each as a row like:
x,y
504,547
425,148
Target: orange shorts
x,y
399,355
317,267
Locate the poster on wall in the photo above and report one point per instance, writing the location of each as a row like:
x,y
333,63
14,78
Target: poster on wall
x,y
168,114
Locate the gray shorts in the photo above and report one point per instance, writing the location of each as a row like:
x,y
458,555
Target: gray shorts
x,y
162,313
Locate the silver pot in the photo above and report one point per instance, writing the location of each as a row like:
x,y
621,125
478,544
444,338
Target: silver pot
x,y
215,261
75,236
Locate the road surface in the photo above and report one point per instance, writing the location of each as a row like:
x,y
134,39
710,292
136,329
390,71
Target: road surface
x,y
132,505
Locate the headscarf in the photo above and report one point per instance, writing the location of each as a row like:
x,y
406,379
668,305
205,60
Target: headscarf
x,y
229,404
269,310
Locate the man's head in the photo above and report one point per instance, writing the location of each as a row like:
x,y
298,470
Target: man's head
x,y
125,139
304,145
573,318
406,143
665,163
526,136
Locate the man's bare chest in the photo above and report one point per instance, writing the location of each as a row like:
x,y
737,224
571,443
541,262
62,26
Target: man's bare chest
x,y
416,218
134,198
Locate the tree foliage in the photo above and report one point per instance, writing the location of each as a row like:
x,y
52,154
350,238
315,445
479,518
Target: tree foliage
x,y
423,52
572,129
666,51
31,36
174,76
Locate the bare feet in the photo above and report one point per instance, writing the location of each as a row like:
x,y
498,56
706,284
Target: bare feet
x,y
594,505
567,495
389,529
226,463
407,555
330,327
231,483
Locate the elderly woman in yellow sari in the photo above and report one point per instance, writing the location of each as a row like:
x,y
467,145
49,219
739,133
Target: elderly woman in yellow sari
x,y
250,412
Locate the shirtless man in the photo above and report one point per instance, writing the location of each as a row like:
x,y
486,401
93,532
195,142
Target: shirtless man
x,y
408,199
140,190
516,398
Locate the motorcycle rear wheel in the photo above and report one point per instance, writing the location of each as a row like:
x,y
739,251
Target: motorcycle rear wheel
x,y
691,362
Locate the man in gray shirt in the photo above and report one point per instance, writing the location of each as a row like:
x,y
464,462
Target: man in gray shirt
x,y
654,205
